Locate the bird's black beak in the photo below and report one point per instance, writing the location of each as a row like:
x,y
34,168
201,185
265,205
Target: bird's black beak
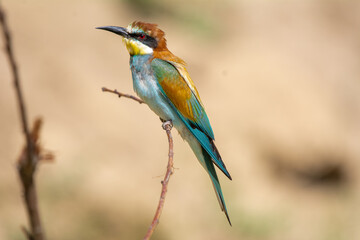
x,y
117,30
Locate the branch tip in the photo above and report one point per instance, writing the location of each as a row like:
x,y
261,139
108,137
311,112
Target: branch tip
x,y
104,89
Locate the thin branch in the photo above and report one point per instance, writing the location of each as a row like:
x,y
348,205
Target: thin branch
x,y
104,89
26,233
16,81
167,126
169,171
26,172
29,158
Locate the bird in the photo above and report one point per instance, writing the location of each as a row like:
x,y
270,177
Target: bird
x,y
162,81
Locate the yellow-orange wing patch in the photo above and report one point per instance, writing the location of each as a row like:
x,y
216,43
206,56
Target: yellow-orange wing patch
x,y
182,94
175,88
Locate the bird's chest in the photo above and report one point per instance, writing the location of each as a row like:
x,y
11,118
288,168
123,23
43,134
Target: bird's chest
x,y
147,88
144,82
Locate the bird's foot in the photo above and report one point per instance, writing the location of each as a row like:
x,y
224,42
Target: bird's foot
x,y
167,125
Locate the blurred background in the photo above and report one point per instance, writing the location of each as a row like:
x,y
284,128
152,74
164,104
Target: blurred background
x,y
280,81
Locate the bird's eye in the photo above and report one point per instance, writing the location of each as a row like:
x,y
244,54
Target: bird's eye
x,y
142,36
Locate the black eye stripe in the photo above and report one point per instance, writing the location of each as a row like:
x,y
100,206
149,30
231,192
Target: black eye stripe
x,y
136,35
146,39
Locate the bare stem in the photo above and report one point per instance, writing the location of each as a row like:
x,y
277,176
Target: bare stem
x,y
169,171
29,158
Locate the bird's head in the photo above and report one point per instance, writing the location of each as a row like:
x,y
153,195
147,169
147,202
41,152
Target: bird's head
x,y
140,38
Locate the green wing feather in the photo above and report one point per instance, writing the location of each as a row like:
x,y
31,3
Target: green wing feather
x,y
186,102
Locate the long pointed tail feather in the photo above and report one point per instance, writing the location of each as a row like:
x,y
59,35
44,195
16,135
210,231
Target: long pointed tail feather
x,y
216,183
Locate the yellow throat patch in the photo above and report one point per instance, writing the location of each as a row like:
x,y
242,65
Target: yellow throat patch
x,y
135,47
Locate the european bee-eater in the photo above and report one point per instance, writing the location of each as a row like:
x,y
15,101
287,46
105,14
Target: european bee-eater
x,y
161,80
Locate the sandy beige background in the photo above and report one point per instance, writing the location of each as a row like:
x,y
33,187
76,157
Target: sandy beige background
x,y
281,84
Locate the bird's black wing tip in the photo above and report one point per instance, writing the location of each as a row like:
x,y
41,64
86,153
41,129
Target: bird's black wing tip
x,y
225,171
228,218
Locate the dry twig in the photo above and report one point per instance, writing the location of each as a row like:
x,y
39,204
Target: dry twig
x,y
104,89
167,126
31,154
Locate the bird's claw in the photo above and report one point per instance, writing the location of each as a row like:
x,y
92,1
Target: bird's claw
x,y
167,125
